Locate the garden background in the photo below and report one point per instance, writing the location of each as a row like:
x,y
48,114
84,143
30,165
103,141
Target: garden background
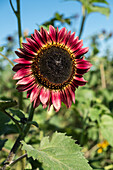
x,y
89,121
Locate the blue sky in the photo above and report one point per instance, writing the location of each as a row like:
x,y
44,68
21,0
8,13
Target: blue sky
x,y
37,11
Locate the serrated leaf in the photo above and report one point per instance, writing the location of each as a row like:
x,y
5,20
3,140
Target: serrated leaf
x,y
4,104
106,128
59,153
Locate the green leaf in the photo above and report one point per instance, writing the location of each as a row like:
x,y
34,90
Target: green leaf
x,y
94,114
45,27
102,10
33,123
5,125
3,120
19,113
58,16
106,128
58,154
4,104
96,6
100,1
2,142
1,48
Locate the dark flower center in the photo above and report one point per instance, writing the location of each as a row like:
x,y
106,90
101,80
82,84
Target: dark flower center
x,y
55,64
53,67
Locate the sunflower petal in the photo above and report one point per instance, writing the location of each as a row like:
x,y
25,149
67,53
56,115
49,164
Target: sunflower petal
x,y
56,99
44,95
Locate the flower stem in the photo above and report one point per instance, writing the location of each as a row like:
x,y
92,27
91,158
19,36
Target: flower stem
x,y
83,21
22,135
7,59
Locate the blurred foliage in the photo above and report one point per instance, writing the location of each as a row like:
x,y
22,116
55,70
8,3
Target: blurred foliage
x,y
89,121
90,6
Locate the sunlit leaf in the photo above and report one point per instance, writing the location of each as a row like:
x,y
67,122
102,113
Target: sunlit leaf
x,y
94,114
106,128
60,152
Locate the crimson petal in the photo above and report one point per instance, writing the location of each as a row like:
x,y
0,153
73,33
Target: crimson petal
x,y
25,87
35,92
36,102
77,46
81,52
71,38
22,61
56,99
26,80
53,33
44,95
19,66
21,73
79,81
68,98
45,35
72,93
38,38
61,34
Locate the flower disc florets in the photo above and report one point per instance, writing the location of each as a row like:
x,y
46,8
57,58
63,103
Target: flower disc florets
x,y
51,67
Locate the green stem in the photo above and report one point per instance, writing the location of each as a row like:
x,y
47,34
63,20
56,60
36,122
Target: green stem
x,y
19,23
17,13
83,21
7,59
12,7
20,137
20,42
14,120
18,159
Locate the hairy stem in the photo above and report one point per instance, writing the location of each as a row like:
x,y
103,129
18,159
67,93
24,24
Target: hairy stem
x,y
15,147
7,59
83,21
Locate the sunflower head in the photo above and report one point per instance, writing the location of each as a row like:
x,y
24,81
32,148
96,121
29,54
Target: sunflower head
x,y
50,67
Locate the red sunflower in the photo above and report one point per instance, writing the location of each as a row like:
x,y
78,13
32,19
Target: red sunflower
x,y
50,67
